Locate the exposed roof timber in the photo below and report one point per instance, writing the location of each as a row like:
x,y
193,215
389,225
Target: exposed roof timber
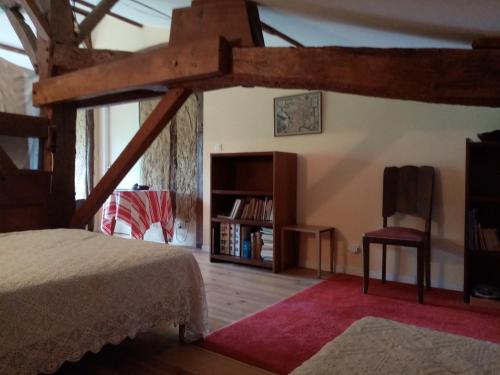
x,y
69,58
486,43
111,14
157,67
24,33
452,76
37,17
271,30
10,48
147,133
93,19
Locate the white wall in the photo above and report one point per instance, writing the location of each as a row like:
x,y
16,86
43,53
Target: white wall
x,y
340,170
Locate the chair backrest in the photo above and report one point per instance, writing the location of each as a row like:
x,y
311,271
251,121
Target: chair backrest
x,y
408,190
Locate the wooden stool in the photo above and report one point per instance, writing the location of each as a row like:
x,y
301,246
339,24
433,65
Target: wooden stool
x,y
287,261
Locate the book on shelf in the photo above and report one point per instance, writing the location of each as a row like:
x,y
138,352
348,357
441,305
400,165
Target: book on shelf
x,y
250,209
482,237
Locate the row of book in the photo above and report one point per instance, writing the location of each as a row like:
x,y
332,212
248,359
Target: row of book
x,y
251,209
246,241
482,237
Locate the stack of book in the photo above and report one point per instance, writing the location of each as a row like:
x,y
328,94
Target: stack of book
x,y
230,239
251,209
266,252
480,237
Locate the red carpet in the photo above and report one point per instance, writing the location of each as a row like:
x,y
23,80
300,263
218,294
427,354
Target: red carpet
x,y
284,335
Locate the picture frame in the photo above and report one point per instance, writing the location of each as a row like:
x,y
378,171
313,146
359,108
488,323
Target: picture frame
x,y
298,114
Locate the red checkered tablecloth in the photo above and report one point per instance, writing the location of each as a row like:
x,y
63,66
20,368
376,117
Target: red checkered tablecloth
x,y
140,209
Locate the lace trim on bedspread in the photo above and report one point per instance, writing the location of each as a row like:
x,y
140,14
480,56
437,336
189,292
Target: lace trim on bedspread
x,y
48,355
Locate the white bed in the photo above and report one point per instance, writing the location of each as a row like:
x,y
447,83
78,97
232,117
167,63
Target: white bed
x,y
380,346
66,292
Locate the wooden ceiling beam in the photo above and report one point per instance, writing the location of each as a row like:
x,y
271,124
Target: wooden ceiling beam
x,y
24,33
37,17
451,76
147,133
93,19
111,14
486,43
158,67
271,30
68,58
8,47
15,125
122,97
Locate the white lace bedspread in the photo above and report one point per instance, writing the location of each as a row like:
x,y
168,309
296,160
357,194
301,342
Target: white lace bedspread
x,y
66,292
379,346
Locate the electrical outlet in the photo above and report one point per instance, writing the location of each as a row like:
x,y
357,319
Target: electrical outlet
x,y
180,224
355,249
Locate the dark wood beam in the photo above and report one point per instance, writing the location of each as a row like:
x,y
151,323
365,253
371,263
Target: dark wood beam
x,y
15,125
10,48
24,33
237,21
158,67
111,14
69,58
37,17
486,43
147,133
271,30
450,76
93,19
122,97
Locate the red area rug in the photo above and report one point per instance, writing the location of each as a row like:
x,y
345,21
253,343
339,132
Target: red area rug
x,y
284,335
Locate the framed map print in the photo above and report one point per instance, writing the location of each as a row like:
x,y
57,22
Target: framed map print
x,y
297,114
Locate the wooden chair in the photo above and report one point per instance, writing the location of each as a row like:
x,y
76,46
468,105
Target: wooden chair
x,y
407,190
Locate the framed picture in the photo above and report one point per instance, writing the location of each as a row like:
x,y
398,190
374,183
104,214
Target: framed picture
x,y
297,114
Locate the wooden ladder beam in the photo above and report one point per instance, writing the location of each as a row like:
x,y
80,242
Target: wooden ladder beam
x,y
148,132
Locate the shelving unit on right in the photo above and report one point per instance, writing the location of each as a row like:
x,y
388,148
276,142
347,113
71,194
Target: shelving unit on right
x,y
482,210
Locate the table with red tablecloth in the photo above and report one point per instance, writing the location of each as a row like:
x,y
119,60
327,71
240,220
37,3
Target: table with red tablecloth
x,y
140,209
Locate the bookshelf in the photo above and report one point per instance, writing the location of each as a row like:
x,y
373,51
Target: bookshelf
x,y
482,217
265,183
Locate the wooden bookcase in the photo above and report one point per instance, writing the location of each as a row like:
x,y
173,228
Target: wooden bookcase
x,y
482,201
260,175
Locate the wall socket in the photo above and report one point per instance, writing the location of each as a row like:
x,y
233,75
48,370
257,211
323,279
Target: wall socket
x,y
355,249
181,224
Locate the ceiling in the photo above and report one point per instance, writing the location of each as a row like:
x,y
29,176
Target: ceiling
x,y
380,23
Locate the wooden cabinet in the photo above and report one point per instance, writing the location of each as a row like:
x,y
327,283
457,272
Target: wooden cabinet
x,y
258,176
482,212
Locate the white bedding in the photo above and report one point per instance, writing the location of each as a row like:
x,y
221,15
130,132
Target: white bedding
x,y
380,346
65,292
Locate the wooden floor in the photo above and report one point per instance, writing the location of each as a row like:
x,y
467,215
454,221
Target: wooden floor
x,y
233,292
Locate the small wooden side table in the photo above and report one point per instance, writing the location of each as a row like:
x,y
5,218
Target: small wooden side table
x,y
287,260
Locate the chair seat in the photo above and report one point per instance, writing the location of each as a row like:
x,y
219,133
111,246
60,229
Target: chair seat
x,y
397,234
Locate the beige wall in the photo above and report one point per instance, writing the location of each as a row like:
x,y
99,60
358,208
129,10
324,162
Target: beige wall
x,y
340,170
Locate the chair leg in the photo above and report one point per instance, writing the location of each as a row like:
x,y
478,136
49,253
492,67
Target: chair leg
x,y
428,266
420,273
384,257
366,264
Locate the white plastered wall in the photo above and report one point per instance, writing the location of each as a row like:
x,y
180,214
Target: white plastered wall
x,y
340,170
